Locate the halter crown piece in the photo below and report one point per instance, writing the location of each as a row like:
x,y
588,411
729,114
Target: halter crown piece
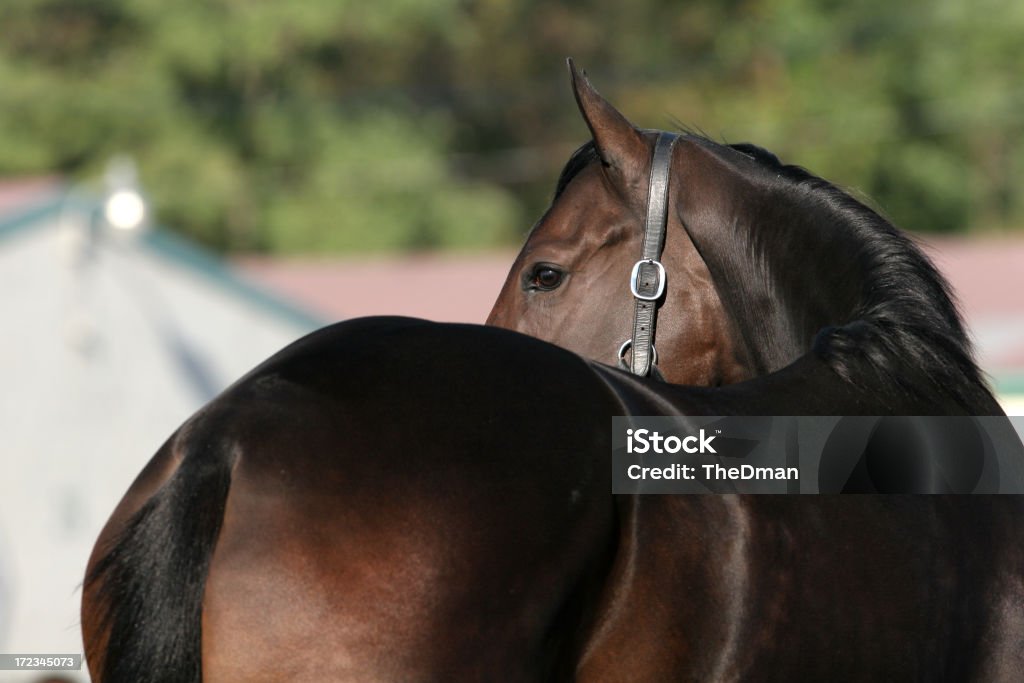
x,y
647,281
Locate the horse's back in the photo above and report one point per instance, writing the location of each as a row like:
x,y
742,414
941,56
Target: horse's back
x,y
403,501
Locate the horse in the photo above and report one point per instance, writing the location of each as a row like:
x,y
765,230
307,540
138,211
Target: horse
x,y
396,500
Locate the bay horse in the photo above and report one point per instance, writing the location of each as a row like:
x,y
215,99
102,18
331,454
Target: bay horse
x,y
390,499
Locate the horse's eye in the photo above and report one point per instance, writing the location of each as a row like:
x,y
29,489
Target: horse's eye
x,y
545,278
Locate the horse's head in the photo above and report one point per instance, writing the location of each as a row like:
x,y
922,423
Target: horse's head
x,y
571,282
764,263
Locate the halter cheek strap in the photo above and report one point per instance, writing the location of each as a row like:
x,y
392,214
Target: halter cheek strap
x,y
647,281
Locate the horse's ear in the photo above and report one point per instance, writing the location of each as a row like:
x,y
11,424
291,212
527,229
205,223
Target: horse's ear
x,y
618,142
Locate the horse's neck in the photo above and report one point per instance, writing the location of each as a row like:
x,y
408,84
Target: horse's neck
x,y
802,267
773,328
763,250
787,274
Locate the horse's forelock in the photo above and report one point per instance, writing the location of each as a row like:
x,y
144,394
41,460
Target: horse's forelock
x,y
580,159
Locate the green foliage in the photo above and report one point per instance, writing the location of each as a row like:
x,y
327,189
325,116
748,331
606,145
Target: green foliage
x,y
332,125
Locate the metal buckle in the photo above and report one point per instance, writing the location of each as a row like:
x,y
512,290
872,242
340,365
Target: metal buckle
x,y
626,345
634,285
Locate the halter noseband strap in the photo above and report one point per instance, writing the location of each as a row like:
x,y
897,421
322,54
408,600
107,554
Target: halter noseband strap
x,y
647,281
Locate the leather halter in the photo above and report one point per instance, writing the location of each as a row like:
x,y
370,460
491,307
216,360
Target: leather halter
x,y
647,281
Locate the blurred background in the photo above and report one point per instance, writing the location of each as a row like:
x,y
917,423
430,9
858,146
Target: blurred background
x,y
187,186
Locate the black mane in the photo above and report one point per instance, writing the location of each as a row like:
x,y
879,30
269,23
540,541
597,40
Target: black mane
x,y
905,326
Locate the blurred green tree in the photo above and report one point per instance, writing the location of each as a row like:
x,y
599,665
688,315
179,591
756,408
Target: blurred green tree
x,y
342,125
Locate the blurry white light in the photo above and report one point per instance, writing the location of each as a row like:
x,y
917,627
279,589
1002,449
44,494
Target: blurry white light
x,y
125,210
